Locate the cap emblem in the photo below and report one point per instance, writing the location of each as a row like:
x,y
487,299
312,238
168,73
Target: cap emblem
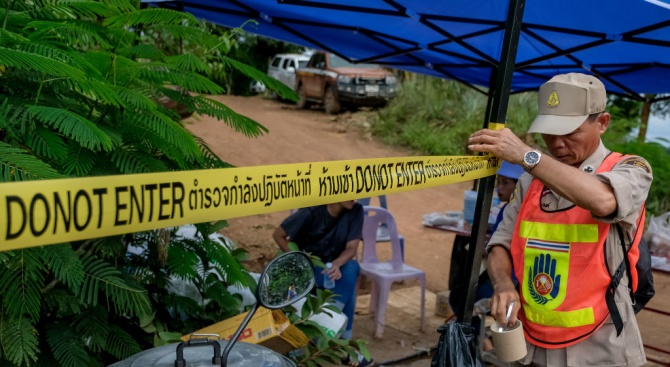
x,y
553,101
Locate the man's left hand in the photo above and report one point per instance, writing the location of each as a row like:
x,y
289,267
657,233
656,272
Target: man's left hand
x,y
503,144
334,273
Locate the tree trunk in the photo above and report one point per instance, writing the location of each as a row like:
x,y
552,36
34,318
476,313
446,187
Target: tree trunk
x,y
646,109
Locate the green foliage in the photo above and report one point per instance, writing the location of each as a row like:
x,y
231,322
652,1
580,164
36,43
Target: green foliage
x,y
324,349
436,116
658,200
100,87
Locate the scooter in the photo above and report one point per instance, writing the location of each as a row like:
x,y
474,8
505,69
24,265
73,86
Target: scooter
x,y
292,270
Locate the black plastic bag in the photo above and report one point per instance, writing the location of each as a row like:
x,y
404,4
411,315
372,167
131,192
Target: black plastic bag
x,y
457,346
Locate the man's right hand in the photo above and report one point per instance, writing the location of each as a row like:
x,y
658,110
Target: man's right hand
x,y
503,295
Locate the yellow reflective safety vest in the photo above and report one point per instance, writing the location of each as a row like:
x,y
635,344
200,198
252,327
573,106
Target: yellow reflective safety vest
x,y
559,259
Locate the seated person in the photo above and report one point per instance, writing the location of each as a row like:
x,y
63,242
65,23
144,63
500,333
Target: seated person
x,y
332,232
508,175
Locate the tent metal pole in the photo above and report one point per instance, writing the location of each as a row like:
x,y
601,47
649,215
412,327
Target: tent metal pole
x,y
498,113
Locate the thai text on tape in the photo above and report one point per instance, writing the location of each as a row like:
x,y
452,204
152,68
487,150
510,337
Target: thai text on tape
x,y
55,211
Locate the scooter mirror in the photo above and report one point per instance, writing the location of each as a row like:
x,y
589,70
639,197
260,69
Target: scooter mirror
x,y
285,280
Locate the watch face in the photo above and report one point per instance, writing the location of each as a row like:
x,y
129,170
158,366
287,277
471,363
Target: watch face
x,y
532,157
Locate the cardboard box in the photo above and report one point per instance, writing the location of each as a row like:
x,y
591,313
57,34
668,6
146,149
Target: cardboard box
x,y
269,328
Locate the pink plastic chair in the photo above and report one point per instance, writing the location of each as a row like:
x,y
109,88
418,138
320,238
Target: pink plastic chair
x,y
383,274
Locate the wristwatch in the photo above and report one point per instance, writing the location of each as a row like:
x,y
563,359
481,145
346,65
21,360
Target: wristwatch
x,y
531,159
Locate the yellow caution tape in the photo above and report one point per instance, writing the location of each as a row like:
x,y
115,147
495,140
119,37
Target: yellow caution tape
x,y
38,213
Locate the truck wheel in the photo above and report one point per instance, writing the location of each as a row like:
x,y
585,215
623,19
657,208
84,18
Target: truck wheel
x,y
330,102
303,103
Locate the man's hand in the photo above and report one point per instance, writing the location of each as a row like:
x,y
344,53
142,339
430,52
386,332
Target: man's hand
x,y
334,273
503,295
503,144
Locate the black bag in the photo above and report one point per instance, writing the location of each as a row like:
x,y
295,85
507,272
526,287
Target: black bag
x,y
641,292
456,347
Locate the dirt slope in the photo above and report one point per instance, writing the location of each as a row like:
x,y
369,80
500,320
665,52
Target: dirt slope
x,y
312,136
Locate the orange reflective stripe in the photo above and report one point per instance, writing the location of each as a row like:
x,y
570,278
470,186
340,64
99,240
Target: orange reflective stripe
x,y
559,232
555,318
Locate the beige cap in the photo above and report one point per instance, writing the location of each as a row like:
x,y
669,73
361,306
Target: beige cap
x,y
565,101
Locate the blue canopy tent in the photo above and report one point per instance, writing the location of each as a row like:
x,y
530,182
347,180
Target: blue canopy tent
x,y
496,47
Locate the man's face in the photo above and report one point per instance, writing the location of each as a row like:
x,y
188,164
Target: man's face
x,y
574,148
349,204
505,187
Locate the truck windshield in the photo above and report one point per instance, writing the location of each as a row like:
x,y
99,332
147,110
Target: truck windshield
x,y
338,62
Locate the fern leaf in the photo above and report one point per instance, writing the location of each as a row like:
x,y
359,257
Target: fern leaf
x,y
131,161
135,99
21,283
242,124
70,33
74,126
70,9
66,345
219,255
101,276
170,131
158,72
122,5
110,247
211,160
11,38
271,83
182,262
18,165
150,16
100,92
120,344
19,341
62,302
203,35
187,61
78,161
46,143
143,51
93,325
65,264
32,62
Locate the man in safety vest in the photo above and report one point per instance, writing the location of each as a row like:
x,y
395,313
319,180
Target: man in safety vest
x,y
559,233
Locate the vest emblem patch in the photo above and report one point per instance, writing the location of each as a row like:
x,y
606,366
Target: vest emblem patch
x,y
546,275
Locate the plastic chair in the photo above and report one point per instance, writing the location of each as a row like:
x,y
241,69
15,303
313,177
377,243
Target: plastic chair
x,y
383,274
383,231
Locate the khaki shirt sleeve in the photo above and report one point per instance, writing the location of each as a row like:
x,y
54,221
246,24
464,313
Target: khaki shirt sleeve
x,y
630,179
503,235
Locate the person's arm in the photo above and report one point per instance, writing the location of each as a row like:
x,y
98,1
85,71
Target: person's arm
x,y
499,267
580,188
281,238
346,255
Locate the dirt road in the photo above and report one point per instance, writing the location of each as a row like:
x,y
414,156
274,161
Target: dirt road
x,y
312,136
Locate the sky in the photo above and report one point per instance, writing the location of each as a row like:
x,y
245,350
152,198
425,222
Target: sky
x,y
658,128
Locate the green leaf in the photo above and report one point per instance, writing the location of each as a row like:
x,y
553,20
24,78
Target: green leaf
x,y
74,126
18,165
32,62
182,262
66,345
271,83
187,61
150,16
292,246
170,337
18,339
65,264
46,143
100,276
92,325
21,282
120,344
